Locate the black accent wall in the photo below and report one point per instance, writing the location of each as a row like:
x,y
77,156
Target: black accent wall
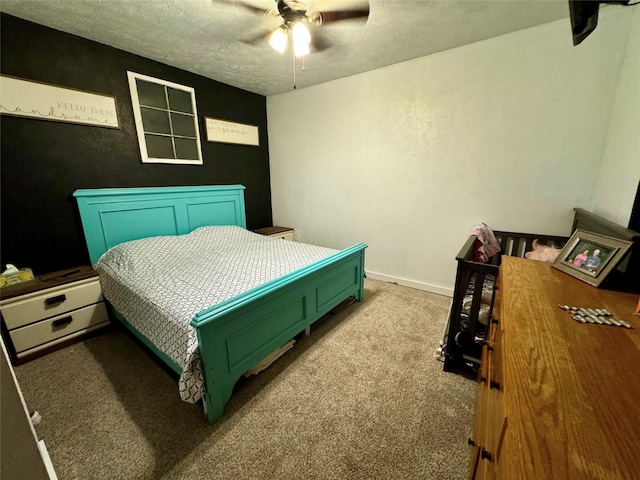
x,y
44,162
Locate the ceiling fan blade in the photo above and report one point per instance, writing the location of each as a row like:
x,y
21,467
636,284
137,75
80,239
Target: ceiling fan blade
x,y
338,15
258,38
253,9
319,42
248,7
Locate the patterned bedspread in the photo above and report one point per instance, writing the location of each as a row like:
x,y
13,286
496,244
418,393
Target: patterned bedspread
x,y
159,283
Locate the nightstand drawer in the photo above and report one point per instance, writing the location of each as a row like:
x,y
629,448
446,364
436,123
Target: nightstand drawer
x,y
47,303
284,236
36,334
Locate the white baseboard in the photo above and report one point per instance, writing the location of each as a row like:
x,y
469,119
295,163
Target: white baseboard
x,y
47,460
411,283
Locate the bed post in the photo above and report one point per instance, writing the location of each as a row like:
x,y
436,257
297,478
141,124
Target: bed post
x,y
215,398
360,293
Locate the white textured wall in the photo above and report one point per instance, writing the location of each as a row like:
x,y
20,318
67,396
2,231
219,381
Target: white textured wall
x,y
620,171
509,131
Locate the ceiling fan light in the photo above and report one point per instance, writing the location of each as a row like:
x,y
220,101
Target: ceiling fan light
x,y
278,40
300,49
300,34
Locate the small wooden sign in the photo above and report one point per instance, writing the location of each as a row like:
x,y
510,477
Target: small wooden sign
x,y
25,98
229,132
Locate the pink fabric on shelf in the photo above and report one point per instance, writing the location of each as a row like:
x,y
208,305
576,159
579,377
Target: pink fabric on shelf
x,y
486,245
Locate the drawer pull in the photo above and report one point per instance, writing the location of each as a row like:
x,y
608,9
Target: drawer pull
x,y
485,454
489,346
471,442
483,379
53,300
494,384
495,321
61,322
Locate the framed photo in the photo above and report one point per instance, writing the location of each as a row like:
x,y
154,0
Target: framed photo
x,y
591,257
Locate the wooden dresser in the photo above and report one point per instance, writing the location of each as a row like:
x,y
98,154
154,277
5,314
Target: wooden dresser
x,y
557,399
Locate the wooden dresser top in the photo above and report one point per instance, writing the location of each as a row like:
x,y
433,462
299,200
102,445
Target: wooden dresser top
x,y
571,390
48,280
272,230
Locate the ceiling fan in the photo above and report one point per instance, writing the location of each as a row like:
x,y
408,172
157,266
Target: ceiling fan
x,y
296,22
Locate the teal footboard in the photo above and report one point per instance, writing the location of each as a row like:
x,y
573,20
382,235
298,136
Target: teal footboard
x,y
235,335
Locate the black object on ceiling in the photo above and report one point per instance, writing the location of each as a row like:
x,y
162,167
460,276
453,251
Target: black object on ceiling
x,y
584,16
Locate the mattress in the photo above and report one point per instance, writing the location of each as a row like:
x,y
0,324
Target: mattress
x,y
159,283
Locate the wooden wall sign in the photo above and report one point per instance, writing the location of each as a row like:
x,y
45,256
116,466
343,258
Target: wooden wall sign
x,y
229,132
25,98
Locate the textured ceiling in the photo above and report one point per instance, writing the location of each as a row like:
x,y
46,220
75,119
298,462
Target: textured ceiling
x,y
208,37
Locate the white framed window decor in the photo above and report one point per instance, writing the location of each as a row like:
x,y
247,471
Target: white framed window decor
x,y
166,120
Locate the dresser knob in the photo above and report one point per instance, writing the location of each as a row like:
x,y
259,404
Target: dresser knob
x,y
471,442
495,321
494,384
486,455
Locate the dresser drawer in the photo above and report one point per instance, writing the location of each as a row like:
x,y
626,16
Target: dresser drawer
x,y
31,336
491,422
33,307
495,355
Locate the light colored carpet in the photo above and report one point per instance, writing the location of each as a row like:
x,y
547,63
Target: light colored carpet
x,y
361,398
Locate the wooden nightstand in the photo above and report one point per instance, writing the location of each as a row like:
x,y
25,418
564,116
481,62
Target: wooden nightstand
x,y
285,233
51,310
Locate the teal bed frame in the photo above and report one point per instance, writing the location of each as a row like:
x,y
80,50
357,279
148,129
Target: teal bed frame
x,y
236,334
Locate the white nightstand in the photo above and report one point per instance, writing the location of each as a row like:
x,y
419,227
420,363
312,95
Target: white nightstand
x,y
285,233
52,309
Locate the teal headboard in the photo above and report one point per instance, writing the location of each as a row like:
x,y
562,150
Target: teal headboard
x,y
114,215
